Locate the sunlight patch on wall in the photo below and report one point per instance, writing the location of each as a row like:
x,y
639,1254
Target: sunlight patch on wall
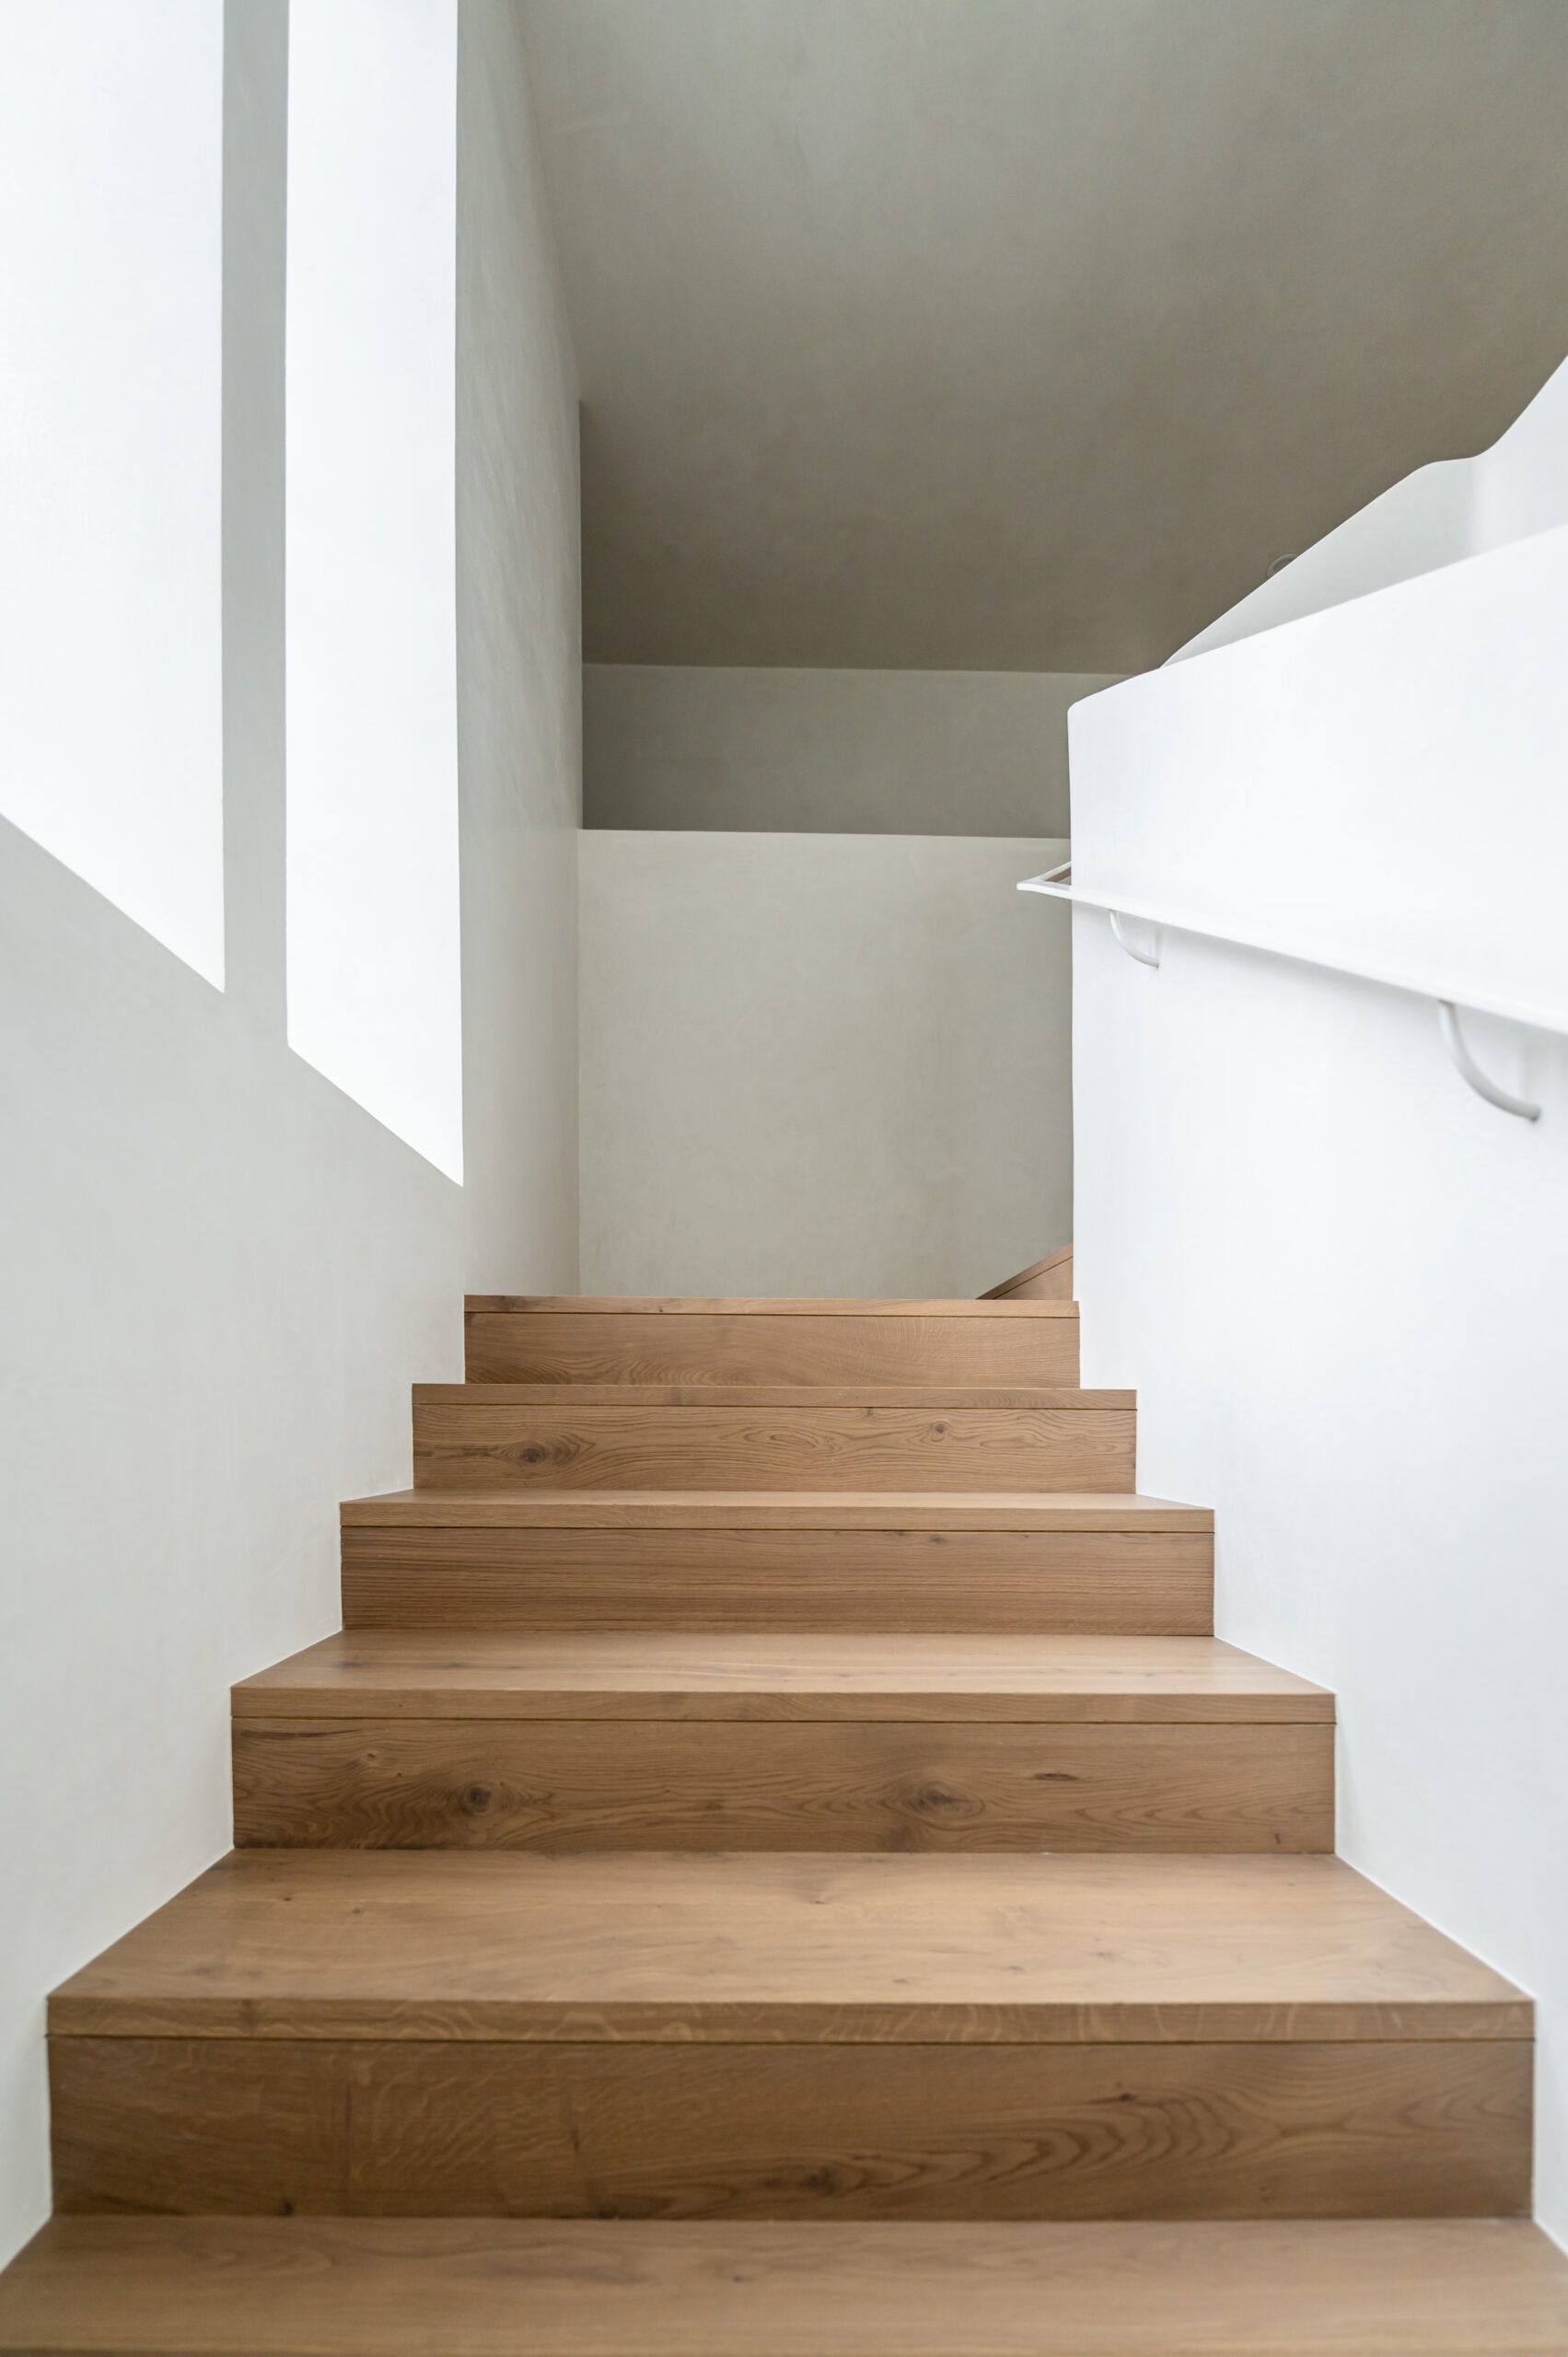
x,y
374,936
111,453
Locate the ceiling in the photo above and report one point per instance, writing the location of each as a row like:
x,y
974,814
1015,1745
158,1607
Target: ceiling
x,y
1026,334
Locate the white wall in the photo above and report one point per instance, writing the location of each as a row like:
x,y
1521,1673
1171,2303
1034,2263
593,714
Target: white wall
x,y
220,1272
821,1064
111,453
1338,1279
375,934
829,752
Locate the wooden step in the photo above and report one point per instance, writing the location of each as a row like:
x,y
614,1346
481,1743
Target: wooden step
x,y
713,1437
1040,1680
759,1561
517,1339
1047,1280
448,2287
466,2034
391,1739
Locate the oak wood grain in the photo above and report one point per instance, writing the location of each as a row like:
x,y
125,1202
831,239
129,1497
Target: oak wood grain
x,y
445,1567
609,1346
1047,1280
421,2130
926,1950
457,2287
968,1948
673,1508
571,1784
929,1398
489,1442
527,1305
381,1673
1060,1943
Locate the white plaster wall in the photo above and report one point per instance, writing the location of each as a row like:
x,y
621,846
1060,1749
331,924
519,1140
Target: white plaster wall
x,y
220,1273
829,752
821,1065
1337,1278
375,925
1381,781
110,452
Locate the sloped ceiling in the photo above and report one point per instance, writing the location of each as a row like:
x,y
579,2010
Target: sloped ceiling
x,y
1025,334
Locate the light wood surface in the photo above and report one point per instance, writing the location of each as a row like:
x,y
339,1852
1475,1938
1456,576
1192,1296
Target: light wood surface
x,y
454,2287
757,1509
1047,1280
432,2129
388,1739
570,1784
454,1944
1080,1441
1029,1920
529,1304
381,1674
609,1346
450,1567
931,1399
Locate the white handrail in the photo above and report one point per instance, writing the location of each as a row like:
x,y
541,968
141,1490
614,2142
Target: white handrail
x,y
1446,990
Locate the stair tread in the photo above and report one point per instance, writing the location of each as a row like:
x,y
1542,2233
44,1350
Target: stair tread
x,y
788,1305
780,1509
496,1674
653,1946
496,2287
931,1397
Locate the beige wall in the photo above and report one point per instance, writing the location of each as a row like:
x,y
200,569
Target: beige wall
x,y
829,752
832,1064
1024,334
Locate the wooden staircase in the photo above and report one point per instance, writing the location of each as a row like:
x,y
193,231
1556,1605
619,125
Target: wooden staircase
x,y
777,1862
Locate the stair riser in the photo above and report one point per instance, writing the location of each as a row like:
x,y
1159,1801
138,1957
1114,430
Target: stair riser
x,y
556,1447
1000,1583
484,2130
631,1785
585,1346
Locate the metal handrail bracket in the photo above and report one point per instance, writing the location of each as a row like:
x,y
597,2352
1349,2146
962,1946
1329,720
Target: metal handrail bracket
x,y
1143,956
1467,1069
